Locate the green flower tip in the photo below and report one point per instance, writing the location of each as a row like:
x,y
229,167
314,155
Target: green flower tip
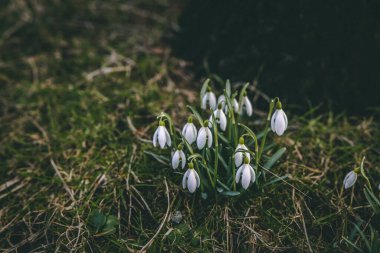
x,y
279,105
246,160
220,106
208,88
244,94
205,122
241,140
180,147
161,123
357,170
190,119
191,165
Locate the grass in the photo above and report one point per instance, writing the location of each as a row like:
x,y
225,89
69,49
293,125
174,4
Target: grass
x,y
81,85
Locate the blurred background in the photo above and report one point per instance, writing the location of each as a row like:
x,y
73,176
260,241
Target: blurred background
x,y
319,52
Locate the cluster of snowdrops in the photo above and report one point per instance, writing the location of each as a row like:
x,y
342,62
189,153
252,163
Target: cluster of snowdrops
x,y
222,140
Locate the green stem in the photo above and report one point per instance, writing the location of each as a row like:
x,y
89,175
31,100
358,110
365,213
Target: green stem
x,y
208,171
216,149
271,106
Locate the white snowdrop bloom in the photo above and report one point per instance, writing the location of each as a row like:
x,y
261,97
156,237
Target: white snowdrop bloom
x,y
279,121
246,174
190,131
246,106
179,158
235,105
191,179
222,100
220,118
162,136
208,100
350,179
204,135
239,154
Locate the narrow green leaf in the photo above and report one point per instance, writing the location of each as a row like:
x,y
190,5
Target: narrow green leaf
x,y
274,158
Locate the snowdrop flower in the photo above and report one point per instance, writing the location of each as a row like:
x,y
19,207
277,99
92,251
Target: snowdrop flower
x,y
222,100
190,131
191,179
179,157
204,135
209,99
162,136
350,178
220,118
279,121
239,154
246,173
246,106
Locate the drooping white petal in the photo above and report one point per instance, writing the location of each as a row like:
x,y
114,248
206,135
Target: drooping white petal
x,y
222,120
279,124
235,105
209,137
167,135
161,136
248,105
222,100
184,129
285,119
245,176
212,100
193,133
238,158
238,174
253,174
239,154
155,138
175,159
191,181
273,120
350,179
198,179
201,139
204,101
184,179
183,158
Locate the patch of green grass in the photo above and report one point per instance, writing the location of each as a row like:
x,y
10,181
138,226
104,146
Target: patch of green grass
x,y
74,175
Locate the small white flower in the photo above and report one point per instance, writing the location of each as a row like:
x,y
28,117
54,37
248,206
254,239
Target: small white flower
x,y
279,121
179,157
162,136
190,131
239,154
204,135
246,106
191,179
209,99
235,104
246,173
220,118
350,179
222,100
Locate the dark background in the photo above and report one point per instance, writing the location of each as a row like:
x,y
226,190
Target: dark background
x,y
311,52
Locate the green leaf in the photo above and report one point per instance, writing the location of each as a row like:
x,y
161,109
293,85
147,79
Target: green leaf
x,y
196,114
204,87
273,159
228,88
372,200
96,219
241,93
161,159
230,193
110,226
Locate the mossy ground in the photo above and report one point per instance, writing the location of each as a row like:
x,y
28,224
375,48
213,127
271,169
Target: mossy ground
x,y
81,84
